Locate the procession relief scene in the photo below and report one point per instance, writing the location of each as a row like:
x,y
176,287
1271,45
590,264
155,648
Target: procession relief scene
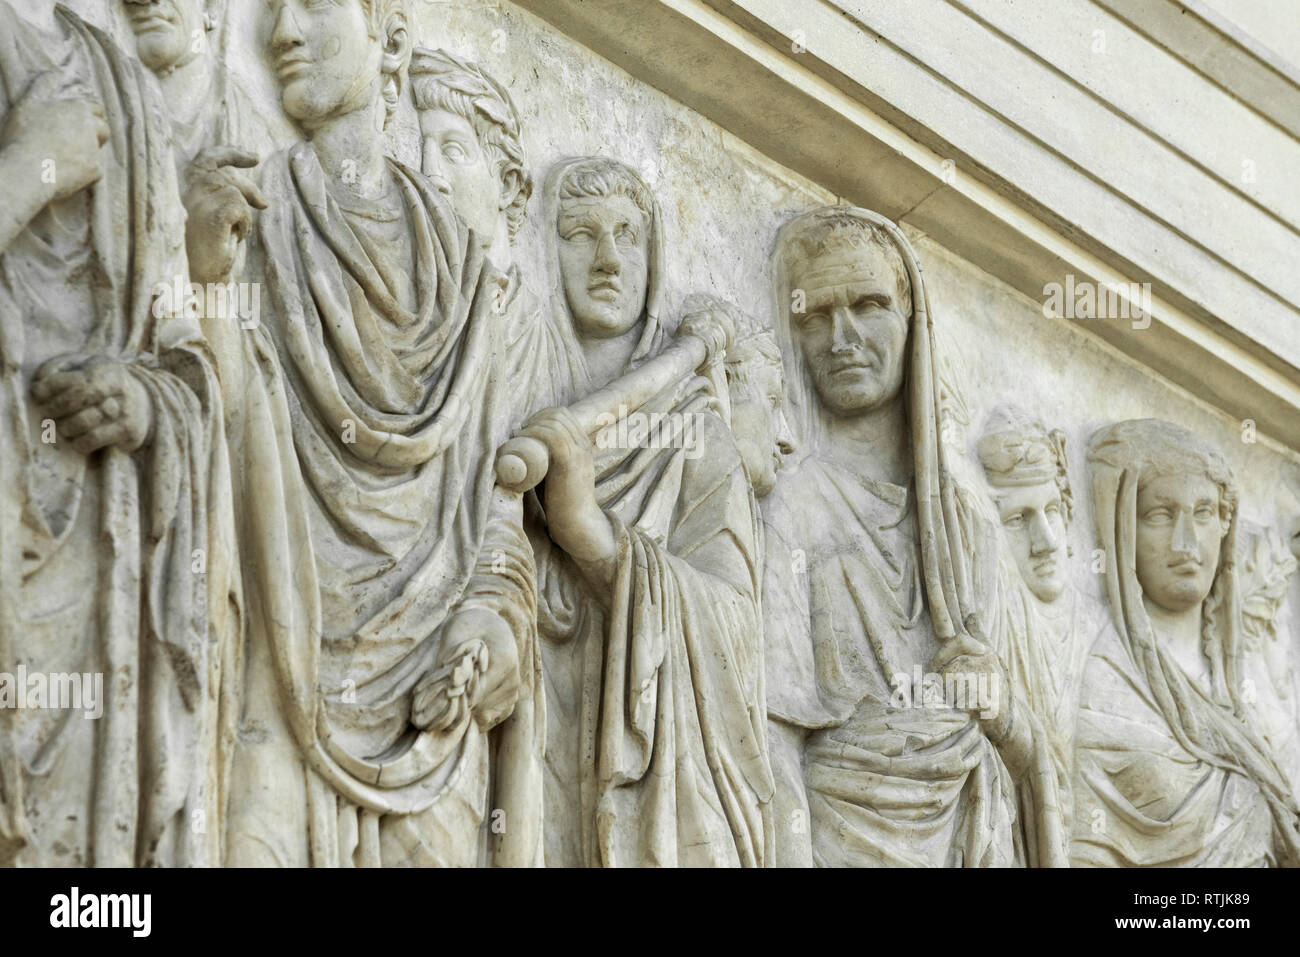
x,y
423,444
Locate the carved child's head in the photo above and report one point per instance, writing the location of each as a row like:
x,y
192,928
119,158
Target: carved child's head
x,y
334,58
757,393
168,33
850,311
471,138
603,224
1026,470
1185,503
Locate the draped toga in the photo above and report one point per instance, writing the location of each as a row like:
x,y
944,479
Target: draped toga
x,y
114,563
656,753
374,401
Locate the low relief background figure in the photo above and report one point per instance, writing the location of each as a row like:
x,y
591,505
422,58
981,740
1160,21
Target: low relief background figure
x,y
647,566
1269,679
214,128
1042,625
392,694
111,424
1171,768
884,565
472,150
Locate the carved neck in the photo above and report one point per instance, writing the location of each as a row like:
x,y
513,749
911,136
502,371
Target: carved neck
x,y
1179,633
607,358
186,88
875,442
500,253
351,151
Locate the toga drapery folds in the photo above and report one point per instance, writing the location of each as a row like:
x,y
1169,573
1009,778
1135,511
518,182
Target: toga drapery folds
x,y
656,748
125,557
370,417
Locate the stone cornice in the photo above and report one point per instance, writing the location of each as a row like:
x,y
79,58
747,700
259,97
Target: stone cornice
x,y
886,120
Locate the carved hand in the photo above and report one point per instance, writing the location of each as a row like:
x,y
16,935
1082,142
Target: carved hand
x,y
95,402
58,124
477,672
220,200
575,519
973,660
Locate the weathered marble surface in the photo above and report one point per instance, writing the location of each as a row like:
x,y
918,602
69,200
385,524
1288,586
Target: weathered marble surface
x,y
563,482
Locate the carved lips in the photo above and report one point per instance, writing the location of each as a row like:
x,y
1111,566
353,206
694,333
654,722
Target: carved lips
x,y
291,65
605,290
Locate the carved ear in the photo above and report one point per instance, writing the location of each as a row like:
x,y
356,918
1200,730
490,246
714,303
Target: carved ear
x,y
512,182
397,43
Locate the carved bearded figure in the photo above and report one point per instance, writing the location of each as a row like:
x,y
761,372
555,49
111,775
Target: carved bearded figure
x,y
1171,770
879,576
112,450
647,569
1042,625
391,699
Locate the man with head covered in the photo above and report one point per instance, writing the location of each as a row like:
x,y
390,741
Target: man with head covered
x,y
882,577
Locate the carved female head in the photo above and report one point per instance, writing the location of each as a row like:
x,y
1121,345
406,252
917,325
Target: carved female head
x,y
1025,467
1183,503
332,59
471,135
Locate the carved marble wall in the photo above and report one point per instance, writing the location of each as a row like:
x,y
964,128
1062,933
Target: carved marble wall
x,y
389,584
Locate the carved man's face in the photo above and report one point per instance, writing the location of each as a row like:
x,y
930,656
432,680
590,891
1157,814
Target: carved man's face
x,y
604,261
852,333
168,33
758,422
457,163
1179,534
1033,522
327,63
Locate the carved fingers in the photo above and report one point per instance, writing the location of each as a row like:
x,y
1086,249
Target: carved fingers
x,y
444,698
478,675
566,441
95,403
219,199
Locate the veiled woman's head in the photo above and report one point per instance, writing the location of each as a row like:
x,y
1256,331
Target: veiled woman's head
x,y
1185,504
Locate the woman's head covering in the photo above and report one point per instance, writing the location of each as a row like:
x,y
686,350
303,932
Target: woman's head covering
x,y
949,557
600,176
1213,727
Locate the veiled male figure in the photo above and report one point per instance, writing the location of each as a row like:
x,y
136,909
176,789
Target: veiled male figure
x,y
879,577
647,569
112,444
390,586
